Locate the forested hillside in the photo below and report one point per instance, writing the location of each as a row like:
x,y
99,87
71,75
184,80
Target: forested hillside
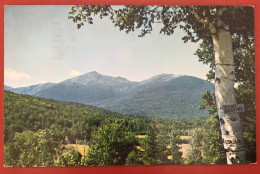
x,y
71,120
161,97
37,131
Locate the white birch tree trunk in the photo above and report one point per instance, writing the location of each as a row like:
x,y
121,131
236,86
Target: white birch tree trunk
x,y
230,124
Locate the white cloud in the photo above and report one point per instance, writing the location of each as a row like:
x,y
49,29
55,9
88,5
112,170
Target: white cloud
x,y
74,73
14,75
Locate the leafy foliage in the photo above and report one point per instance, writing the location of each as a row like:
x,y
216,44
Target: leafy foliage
x,y
195,154
213,150
69,157
196,21
31,149
65,119
36,131
206,143
33,123
111,145
133,158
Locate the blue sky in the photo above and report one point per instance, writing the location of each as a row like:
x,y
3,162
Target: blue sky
x,y
43,45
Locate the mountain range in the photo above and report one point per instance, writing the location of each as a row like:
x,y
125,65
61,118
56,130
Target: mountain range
x,y
164,95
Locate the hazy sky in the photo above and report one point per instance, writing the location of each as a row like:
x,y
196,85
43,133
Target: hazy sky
x,y
43,45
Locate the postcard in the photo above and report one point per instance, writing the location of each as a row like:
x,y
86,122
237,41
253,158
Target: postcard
x,y
129,87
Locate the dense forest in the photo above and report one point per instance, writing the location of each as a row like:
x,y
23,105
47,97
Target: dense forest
x,y
43,132
37,132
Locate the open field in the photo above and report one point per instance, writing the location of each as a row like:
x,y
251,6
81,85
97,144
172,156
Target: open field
x,y
141,136
185,137
83,149
184,148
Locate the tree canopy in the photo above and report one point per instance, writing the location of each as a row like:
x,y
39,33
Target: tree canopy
x,y
198,22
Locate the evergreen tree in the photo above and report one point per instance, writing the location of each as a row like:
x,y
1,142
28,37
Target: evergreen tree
x,y
174,148
155,145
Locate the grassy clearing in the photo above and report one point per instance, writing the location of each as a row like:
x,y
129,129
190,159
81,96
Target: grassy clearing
x,y
141,136
78,147
184,149
185,137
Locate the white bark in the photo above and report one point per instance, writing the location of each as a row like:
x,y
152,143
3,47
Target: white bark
x,y
230,124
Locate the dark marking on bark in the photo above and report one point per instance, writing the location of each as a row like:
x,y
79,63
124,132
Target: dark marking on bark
x,y
229,149
225,27
233,118
221,121
227,133
217,80
238,141
233,160
225,64
236,160
228,141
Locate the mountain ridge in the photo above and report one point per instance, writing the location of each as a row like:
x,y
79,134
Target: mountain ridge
x,y
164,95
